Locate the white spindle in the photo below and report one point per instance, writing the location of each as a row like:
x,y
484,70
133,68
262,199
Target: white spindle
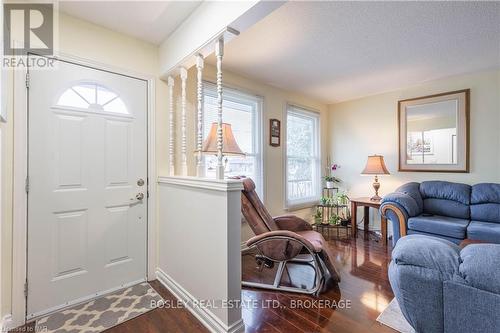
x,y
171,147
183,73
200,167
219,52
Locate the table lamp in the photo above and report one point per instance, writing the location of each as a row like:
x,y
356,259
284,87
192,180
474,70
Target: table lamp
x,y
229,145
375,165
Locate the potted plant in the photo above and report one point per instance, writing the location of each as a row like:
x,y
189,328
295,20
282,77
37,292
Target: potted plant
x,y
324,201
318,216
342,198
331,179
334,219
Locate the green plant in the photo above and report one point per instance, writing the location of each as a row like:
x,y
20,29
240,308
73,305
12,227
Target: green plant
x,y
342,198
318,216
328,201
334,219
332,179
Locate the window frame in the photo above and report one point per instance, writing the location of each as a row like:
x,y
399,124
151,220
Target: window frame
x,y
292,108
233,93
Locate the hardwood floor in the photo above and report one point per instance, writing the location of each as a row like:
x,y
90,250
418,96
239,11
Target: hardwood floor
x,y
365,288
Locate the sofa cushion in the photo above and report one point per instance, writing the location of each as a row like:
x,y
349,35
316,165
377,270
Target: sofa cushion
x,y
440,225
456,241
447,199
479,266
446,208
485,202
484,231
445,190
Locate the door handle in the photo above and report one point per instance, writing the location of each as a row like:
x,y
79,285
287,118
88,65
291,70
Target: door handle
x,y
137,199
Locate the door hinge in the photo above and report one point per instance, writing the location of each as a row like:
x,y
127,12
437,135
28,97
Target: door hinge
x,y
27,79
27,185
26,289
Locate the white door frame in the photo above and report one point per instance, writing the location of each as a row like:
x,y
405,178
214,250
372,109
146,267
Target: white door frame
x,y
20,198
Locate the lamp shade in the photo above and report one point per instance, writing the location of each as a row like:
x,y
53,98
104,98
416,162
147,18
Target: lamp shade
x,y
375,166
229,145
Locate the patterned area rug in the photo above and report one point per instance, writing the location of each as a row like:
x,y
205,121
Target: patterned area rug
x,y
393,318
102,313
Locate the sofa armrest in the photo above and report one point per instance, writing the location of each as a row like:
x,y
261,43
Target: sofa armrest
x,y
419,267
398,207
292,223
406,202
480,267
398,217
428,252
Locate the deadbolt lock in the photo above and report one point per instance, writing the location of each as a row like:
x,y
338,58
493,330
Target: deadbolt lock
x,y
140,182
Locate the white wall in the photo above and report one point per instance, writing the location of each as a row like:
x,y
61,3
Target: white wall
x,y
199,254
369,125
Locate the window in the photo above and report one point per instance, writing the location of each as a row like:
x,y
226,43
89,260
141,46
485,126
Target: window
x,y
92,96
243,111
302,157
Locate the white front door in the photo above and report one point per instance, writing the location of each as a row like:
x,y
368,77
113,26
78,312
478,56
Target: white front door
x,y
87,164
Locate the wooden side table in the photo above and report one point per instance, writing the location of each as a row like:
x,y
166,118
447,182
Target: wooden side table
x,y
367,203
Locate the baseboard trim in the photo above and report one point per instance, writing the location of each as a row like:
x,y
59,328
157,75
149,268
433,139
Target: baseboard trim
x,y
206,317
7,323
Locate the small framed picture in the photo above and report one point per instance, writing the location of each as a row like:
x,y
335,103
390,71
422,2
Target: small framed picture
x,y
274,132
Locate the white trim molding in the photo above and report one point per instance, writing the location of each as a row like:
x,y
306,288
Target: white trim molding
x,y
227,185
205,316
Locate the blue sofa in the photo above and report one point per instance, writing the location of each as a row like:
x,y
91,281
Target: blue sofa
x,y
441,288
447,210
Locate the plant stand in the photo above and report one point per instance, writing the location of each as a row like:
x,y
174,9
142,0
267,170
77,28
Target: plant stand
x,y
328,210
338,230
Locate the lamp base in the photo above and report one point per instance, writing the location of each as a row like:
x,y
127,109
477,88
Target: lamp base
x,y
376,186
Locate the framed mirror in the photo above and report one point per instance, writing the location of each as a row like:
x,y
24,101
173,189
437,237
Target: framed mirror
x,y
434,133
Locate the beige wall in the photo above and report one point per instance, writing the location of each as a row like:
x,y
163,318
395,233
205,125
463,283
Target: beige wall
x,y
369,126
273,107
90,42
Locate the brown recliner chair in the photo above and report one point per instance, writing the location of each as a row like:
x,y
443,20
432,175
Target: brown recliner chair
x,y
285,239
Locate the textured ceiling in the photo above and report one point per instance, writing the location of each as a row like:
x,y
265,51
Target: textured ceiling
x,y
152,21
337,51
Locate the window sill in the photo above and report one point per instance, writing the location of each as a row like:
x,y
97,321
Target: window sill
x,y
301,205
